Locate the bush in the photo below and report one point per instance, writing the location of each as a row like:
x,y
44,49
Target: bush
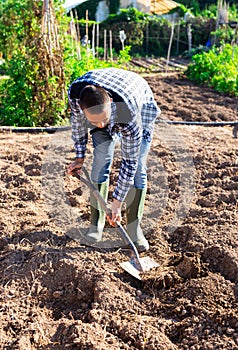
x,y
34,94
16,94
217,68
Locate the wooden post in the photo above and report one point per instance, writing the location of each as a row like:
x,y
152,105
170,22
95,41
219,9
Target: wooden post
x,y
218,19
78,34
105,44
110,36
170,45
97,40
87,32
76,25
189,31
147,39
93,40
75,35
72,28
178,38
44,16
72,35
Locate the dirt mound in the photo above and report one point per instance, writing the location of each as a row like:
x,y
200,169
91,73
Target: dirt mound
x,y
58,293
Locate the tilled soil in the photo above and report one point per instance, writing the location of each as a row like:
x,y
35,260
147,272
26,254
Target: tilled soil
x,y
59,293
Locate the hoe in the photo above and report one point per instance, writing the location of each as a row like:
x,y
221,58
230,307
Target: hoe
x,y
135,265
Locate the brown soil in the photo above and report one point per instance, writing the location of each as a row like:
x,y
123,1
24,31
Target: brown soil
x,y
57,293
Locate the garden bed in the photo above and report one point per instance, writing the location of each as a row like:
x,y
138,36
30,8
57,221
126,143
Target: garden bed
x,y
57,293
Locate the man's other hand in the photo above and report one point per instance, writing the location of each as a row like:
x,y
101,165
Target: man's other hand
x,y
116,212
76,165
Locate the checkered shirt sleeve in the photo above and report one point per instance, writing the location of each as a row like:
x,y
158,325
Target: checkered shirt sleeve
x,y
79,127
131,136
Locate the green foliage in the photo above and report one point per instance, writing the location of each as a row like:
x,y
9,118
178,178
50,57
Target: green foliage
x,y
158,32
197,6
233,12
192,5
18,21
33,94
126,15
124,56
26,98
196,50
134,35
209,11
143,32
217,68
74,67
16,94
3,67
224,34
180,10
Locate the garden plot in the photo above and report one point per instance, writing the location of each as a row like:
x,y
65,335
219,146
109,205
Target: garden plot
x,y
59,294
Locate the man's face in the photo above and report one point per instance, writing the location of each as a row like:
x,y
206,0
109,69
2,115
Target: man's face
x,y
100,120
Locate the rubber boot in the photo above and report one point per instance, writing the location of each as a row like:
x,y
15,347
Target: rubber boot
x,y
134,210
94,234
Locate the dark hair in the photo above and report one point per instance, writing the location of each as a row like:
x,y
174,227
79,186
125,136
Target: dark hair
x,y
91,96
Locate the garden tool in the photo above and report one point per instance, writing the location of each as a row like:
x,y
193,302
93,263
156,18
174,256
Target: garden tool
x,y
135,265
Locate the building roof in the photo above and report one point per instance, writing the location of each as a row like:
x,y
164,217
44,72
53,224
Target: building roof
x,y
162,6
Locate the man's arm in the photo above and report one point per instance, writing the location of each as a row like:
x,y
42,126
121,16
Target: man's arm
x,y
79,136
130,147
79,129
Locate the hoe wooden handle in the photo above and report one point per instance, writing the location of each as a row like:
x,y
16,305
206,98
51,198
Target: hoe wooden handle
x,y
87,181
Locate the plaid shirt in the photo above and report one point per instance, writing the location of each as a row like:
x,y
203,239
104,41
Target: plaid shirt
x,y
137,97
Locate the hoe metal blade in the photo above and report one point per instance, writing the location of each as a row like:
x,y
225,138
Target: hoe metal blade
x,y
131,266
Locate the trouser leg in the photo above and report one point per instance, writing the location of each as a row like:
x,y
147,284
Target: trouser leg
x,y
102,160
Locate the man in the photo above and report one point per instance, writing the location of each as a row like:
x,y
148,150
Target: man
x,y
114,103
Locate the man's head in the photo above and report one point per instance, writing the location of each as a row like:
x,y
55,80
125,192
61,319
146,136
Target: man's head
x,y
96,105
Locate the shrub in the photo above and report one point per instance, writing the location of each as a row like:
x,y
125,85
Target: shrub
x,y
34,94
217,68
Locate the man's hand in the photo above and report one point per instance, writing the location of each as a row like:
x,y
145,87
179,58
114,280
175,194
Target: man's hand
x,y
76,165
116,212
